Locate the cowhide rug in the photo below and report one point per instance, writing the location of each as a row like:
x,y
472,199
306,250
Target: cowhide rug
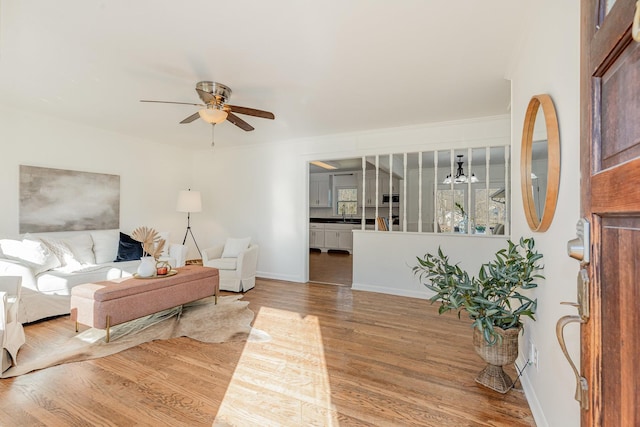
x,y
202,320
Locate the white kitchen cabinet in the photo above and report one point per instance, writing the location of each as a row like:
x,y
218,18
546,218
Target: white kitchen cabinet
x,y
316,236
370,192
345,240
331,239
384,185
339,236
319,191
369,198
330,236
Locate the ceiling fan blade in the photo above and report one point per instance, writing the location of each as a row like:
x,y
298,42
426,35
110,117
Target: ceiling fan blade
x,y
191,118
239,122
251,112
171,102
206,96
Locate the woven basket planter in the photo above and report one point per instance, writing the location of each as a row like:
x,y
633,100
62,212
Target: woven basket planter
x,y
503,352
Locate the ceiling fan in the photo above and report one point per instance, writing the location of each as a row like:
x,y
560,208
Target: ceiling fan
x,y
215,108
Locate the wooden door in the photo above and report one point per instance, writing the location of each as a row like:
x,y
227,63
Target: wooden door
x,y
610,145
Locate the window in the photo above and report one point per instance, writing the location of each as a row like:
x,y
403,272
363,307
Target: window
x,y
490,211
486,215
450,205
460,190
347,201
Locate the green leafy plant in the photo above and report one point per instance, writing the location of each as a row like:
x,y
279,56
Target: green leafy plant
x,y
492,299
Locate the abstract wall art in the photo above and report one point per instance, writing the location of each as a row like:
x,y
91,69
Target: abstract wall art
x,y
66,200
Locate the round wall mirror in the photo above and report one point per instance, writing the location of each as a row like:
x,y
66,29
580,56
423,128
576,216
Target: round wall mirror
x,y
540,162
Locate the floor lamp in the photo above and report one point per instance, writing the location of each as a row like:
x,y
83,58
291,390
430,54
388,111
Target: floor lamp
x,y
189,201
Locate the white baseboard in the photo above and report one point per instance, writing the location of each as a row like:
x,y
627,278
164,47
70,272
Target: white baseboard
x,y
283,277
391,291
532,398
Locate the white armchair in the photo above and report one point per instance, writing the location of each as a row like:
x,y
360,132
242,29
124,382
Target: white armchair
x,y
176,256
11,331
237,261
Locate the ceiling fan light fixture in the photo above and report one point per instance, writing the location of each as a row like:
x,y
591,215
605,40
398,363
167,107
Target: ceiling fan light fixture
x,y
212,115
214,107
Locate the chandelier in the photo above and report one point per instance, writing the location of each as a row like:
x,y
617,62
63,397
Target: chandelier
x,y
460,177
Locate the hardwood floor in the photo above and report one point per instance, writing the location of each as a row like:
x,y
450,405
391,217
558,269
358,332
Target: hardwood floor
x,y
335,268
335,357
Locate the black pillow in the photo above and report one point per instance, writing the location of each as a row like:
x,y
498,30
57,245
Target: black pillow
x,y
128,249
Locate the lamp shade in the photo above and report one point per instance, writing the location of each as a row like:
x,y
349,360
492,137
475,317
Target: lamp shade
x,y
212,115
189,201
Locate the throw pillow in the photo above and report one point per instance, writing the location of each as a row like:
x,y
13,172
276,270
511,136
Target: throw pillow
x,y
48,261
62,251
82,247
233,247
128,249
31,253
105,245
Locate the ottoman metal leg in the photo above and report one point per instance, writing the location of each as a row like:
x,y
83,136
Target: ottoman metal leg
x,y
108,326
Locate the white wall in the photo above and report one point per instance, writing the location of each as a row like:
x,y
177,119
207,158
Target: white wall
x,y
548,62
383,261
261,191
258,192
150,174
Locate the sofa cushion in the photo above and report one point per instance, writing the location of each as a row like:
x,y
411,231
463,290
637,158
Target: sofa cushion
x,y
31,252
105,245
233,247
82,248
223,263
128,248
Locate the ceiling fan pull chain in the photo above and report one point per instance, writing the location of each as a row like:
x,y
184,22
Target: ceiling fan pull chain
x,y
213,127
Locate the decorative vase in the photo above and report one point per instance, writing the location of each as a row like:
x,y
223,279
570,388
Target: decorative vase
x,y
503,352
147,267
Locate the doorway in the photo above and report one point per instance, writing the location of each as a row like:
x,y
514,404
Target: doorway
x,y
331,267
333,214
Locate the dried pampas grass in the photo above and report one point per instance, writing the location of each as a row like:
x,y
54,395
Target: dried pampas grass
x,y
151,241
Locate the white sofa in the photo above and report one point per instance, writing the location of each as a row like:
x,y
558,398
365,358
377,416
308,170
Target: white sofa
x,y
51,264
237,261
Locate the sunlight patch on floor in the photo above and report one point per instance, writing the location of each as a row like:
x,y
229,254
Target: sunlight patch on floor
x,y
283,381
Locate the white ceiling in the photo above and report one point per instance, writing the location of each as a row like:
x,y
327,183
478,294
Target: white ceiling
x,y
322,67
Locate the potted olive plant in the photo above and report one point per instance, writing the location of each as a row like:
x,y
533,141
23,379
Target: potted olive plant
x,y
492,300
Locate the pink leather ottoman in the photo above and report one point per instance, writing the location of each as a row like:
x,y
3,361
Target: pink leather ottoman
x,y
104,304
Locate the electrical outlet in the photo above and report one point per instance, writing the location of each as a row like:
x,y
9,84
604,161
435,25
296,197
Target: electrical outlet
x,y
533,355
530,357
